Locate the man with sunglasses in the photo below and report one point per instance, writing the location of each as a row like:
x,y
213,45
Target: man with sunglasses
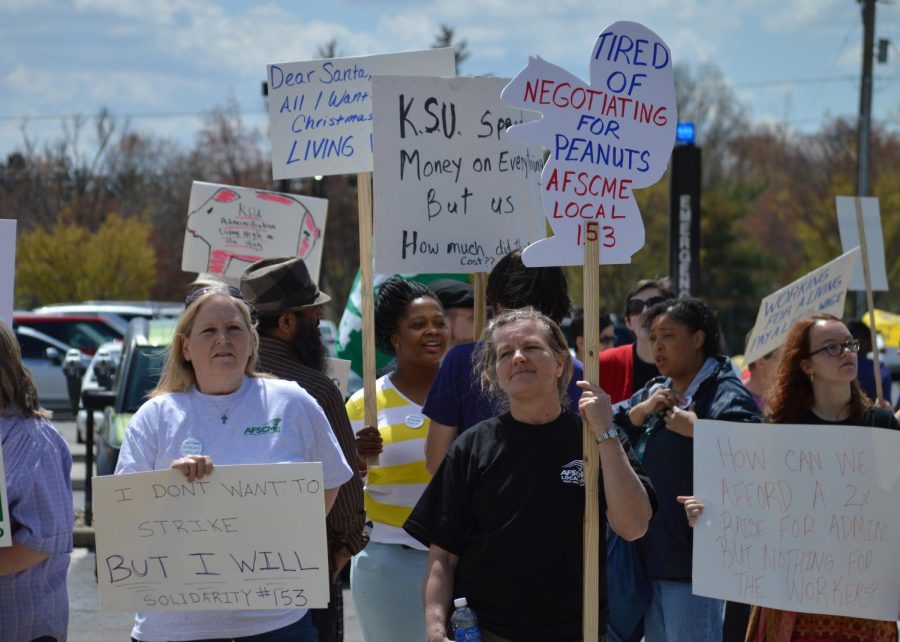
x,y
624,370
288,304
607,332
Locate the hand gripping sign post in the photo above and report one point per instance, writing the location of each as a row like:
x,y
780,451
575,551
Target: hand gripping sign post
x,y
453,193
229,228
606,139
320,119
859,223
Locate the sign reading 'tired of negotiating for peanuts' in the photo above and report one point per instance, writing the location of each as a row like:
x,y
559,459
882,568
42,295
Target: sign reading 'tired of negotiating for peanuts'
x,y
606,139
245,537
800,518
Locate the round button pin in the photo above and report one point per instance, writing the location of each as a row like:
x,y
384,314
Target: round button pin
x,y
191,446
415,420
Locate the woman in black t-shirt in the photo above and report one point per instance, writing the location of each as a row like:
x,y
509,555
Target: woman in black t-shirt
x,y
503,515
816,384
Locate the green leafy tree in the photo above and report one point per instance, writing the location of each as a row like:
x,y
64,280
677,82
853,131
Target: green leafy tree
x,y
69,263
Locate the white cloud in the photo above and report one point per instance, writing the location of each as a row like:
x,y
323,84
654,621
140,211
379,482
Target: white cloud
x,y
781,16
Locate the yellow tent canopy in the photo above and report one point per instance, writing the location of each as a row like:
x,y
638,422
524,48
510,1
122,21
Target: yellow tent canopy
x,y
888,324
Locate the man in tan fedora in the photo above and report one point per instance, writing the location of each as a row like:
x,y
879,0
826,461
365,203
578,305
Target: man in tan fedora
x,y
288,304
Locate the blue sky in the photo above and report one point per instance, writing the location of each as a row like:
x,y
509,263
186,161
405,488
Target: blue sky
x,y
166,62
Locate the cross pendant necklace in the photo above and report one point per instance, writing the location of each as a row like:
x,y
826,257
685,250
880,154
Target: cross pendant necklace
x,y
224,417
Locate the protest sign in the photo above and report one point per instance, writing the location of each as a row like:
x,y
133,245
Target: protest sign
x,y
801,518
245,537
606,139
452,192
849,231
7,268
229,228
338,370
5,530
320,111
822,290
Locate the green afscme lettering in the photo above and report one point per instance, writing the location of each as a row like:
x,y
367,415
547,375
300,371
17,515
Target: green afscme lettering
x,y
271,427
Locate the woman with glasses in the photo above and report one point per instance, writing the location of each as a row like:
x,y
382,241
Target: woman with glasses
x,y
208,395
696,382
816,384
624,370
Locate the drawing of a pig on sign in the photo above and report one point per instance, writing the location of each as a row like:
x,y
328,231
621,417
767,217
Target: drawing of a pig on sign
x,y
240,226
605,140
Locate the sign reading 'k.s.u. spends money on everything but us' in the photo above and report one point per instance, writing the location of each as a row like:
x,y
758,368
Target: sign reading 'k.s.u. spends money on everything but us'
x,y
452,192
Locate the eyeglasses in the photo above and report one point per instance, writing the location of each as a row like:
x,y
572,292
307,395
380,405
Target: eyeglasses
x,y
837,349
607,340
636,306
193,295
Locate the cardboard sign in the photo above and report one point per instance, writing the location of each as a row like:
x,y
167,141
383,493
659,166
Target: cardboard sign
x,y
5,525
229,228
801,518
452,192
338,370
849,230
822,290
7,268
320,111
245,537
605,139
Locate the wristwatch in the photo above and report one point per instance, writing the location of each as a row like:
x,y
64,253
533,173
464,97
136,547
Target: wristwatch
x,y
611,433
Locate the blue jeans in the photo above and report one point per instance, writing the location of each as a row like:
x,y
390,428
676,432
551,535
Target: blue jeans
x,y
677,615
386,584
302,630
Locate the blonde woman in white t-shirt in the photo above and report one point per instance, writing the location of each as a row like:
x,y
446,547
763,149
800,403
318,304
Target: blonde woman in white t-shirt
x,y
386,576
198,416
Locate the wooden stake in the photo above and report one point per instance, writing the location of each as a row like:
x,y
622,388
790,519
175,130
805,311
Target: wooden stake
x,y
864,248
480,304
367,292
592,535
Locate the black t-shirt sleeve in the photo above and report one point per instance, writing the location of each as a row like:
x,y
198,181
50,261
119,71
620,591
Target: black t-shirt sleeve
x,y
443,512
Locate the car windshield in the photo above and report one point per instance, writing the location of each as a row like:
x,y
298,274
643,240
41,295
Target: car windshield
x,y
143,375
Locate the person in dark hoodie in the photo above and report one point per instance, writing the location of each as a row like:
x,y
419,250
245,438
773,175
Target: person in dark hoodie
x,y
696,382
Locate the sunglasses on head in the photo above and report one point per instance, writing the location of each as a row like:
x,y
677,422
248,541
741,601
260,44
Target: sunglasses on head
x,y
231,291
837,349
636,306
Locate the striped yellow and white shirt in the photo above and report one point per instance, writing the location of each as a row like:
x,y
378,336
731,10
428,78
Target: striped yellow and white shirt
x,y
393,488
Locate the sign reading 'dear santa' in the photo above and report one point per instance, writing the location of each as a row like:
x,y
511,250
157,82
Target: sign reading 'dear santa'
x,y
605,139
229,228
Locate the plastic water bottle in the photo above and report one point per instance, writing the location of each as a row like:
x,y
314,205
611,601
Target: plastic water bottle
x,y
464,623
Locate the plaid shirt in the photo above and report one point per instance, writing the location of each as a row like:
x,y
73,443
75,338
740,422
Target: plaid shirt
x,y
346,521
37,462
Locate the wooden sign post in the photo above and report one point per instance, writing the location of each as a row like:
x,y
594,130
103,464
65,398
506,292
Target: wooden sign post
x,y
870,304
480,321
606,139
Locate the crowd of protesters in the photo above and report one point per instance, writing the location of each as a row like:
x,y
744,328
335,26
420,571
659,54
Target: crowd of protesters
x,y
471,482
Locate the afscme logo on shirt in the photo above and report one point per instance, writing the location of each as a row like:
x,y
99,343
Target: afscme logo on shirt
x,y
573,472
269,428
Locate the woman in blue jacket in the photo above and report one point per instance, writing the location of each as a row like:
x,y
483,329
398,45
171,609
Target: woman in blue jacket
x,y
697,382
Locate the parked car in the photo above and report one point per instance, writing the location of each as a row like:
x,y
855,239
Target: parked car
x,y
109,353
143,354
126,310
82,331
43,356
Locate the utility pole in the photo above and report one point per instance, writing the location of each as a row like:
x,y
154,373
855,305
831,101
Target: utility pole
x,y
864,126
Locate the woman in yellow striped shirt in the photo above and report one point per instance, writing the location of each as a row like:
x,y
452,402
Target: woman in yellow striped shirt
x,y
386,576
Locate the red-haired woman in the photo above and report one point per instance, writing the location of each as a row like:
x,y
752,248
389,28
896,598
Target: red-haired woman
x,y
816,384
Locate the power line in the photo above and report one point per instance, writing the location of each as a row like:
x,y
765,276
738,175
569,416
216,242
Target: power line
x,y
195,114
